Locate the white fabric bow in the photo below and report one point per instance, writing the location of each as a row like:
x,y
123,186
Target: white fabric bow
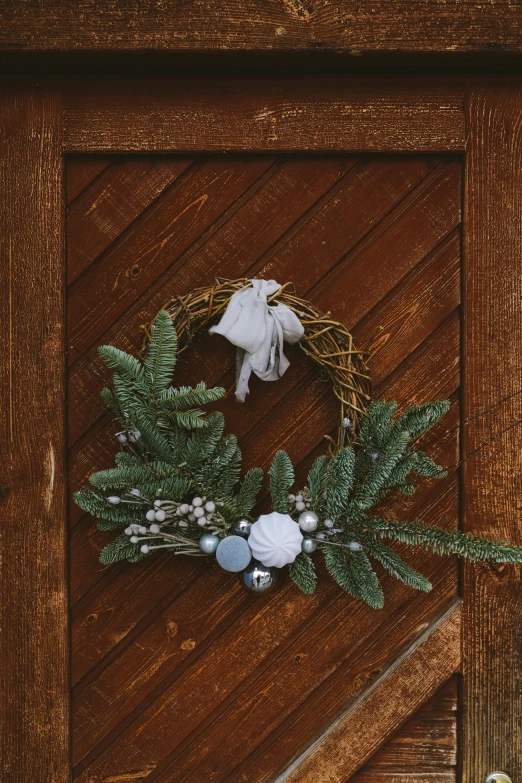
x,y
258,330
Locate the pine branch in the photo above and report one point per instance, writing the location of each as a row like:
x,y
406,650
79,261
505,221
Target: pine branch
x,y
121,549
353,572
340,482
161,354
395,565
302,573
281,479
447,542
249,490
317,482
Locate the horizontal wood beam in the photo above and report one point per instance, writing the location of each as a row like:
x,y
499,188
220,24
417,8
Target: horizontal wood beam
x,y
417,26
264,115
394,697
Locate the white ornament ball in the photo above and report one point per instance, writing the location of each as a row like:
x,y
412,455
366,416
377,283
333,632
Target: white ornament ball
x,y
128,531
135,493
308,521
199,512
300,506
197,502
151,515
299,498
184,508
144,549
202,521
191,517
155,528
210,507
328,523
275,539
158,503
114,500
354,546
160,515
134,539
142,529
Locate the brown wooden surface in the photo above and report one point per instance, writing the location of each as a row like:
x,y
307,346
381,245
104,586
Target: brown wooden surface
x,y
374,240
264,114
492,654
424,750
374,717
34,704
262,25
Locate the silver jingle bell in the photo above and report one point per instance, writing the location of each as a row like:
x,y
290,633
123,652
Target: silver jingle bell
x,y
257,578
242,527
208,543
309,545
308,521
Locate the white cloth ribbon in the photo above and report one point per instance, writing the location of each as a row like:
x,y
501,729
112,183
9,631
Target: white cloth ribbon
x,y
258,330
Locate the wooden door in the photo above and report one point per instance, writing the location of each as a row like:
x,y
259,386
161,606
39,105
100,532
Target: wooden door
x,y
354,192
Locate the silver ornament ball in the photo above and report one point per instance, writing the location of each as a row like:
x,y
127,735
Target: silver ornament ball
x,y
242,527
208,543
308,521
257,578
309,545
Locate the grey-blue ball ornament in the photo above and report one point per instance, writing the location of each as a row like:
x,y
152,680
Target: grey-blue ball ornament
x,y
208,543
233,553
309,545
257,578
242,527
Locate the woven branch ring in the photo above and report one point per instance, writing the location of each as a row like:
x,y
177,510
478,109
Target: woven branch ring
x,y
327,342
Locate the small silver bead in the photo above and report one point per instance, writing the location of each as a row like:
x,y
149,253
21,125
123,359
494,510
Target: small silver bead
x,y
354,546
328,523
346,423
309,545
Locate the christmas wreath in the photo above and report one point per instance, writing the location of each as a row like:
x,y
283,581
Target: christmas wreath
x,y
177,486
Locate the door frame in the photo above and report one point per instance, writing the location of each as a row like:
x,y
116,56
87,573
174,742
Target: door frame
x,y
42,120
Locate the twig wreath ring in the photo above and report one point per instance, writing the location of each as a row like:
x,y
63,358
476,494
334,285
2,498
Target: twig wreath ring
x,y
177,484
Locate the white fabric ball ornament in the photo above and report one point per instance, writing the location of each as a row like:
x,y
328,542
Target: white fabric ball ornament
x,y
155,528
199,512
197,502
191,518
151,515
160,515
184,508
210,507
142,529
300,506
144,549
275,539
158,503
114,500
202,521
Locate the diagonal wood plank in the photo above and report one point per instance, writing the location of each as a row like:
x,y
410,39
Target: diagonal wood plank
x,y
396,695
82,170
109,206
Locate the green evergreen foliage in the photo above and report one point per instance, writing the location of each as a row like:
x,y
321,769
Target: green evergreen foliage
x,y
302,572
172,451
281,479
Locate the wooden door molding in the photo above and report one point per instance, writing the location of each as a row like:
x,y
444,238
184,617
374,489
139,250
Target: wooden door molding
x,y
414,26
430,116
492,486
34,658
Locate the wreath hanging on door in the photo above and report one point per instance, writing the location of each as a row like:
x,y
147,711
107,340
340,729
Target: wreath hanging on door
x,y
177,485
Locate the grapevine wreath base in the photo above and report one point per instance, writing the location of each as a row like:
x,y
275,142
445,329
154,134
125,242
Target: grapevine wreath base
x,y
177,484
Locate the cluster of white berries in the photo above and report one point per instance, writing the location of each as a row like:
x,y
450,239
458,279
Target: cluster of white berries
x,y
299,502
199,510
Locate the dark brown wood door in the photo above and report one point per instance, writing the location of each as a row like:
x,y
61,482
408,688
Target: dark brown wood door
x,y
178,674
120,194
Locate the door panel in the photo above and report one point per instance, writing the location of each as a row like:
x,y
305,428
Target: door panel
x,y
177,673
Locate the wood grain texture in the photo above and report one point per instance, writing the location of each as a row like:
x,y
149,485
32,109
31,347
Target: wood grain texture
x,y
492,654
285,115
34,696
262,25
147,638
393,698
424,749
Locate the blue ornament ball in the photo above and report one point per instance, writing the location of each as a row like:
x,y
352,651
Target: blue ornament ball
x,y
208,543
233,553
